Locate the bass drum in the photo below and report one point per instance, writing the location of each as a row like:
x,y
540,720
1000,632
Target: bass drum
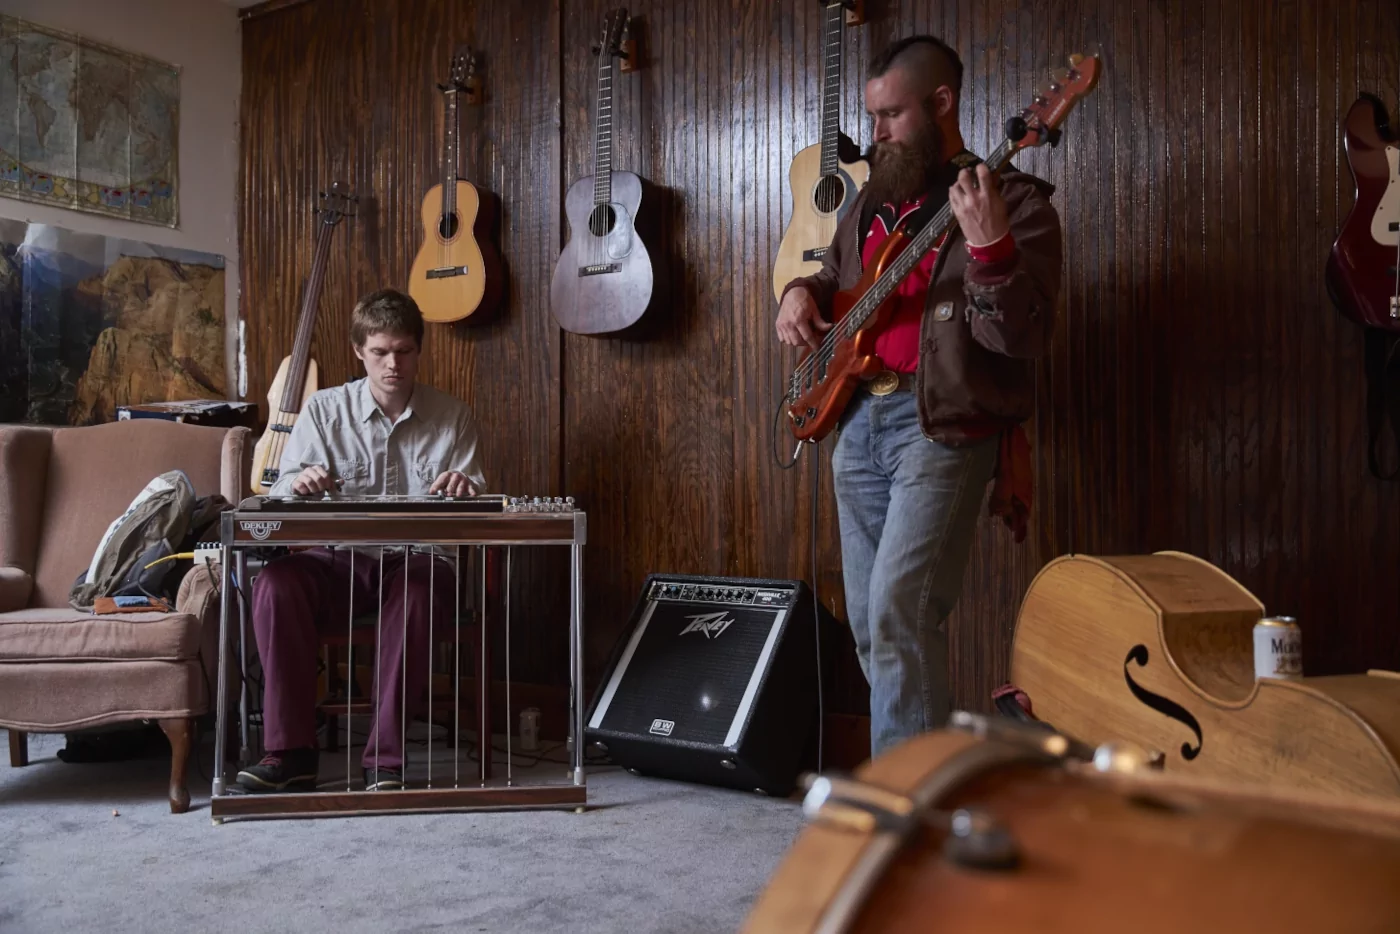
x,y
1002,828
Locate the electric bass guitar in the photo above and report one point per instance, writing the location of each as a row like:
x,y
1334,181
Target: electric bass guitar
x,y
457,271
1158,650
603,279
1363,271
823,187
826,378
297,374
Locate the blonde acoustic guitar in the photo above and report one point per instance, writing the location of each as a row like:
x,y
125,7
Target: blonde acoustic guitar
x,y
457,270
823,187
1158,650
296,377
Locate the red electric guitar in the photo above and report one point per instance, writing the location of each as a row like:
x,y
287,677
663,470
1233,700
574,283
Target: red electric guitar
x,y
827,377
1363,272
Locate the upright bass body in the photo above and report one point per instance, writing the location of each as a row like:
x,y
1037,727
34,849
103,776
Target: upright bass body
x,y
1158,650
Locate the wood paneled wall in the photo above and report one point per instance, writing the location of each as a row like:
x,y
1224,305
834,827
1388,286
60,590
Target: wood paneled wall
x,y
1201,395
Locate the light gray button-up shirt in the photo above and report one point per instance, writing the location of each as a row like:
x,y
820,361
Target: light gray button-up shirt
x,y
343,430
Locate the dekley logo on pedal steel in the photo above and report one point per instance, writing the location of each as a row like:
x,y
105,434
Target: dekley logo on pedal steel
x,y
711,624
260,530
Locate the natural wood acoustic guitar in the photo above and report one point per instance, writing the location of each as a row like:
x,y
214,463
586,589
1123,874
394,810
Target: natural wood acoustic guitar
x,y
823,187
825,379
457,272
603,279
297,374
1158,650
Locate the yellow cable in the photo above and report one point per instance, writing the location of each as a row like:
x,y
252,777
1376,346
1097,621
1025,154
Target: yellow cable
x,y
183,554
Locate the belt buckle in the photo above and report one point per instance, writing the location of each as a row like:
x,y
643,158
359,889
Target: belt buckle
x,y
884,383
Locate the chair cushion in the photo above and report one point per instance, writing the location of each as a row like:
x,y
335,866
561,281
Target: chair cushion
x,y
38,635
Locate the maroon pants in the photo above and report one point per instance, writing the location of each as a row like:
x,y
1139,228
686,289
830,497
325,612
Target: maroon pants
x,y
298,597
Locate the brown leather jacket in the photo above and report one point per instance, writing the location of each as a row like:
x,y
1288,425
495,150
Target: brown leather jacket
x,y
982,323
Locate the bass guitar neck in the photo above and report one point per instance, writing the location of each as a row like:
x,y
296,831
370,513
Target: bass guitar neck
x,y
297,374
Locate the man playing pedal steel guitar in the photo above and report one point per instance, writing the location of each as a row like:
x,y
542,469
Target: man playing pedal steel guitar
x,y
919,442
383,435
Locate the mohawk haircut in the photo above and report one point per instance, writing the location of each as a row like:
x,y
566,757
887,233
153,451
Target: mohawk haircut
x,y
929,58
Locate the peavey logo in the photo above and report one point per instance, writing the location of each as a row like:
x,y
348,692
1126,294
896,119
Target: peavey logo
x,y
260,530
662,727
711,624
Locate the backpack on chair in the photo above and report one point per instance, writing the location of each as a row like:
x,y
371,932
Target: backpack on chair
x,y
153,527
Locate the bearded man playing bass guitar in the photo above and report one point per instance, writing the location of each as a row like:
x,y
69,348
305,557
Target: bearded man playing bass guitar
x,y
918,444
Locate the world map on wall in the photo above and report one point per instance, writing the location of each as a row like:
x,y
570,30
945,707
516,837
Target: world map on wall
x,y
86,126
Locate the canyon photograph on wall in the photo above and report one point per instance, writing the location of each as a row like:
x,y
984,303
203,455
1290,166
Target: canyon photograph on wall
x,y
89,323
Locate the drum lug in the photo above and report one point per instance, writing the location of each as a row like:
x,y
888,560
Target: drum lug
x,y
977,840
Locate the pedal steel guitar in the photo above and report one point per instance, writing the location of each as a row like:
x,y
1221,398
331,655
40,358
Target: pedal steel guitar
x,y
446,524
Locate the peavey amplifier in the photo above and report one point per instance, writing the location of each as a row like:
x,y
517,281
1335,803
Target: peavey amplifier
x,y
714,681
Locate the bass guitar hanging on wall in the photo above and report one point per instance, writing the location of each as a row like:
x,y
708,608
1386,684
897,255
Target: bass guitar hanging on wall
x,y
826,378
603,280
457,270
1363,271
296,377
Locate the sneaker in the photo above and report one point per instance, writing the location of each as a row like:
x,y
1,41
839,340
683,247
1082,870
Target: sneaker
x,y
383,779
287,770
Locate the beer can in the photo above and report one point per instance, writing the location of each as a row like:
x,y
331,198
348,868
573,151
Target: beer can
x,y
1278,648
530,729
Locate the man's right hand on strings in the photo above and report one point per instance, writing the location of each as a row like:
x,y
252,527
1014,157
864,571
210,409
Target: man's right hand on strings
x,y
314,479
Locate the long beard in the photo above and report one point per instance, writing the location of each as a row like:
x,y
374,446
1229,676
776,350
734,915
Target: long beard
x,y
900,172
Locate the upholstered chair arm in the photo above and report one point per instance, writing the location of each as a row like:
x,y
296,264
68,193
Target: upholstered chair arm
x,y
15,587
24,467
237,466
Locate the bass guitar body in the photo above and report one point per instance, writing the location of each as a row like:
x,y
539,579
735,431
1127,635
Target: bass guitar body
x,y
603,281
267,453
1158,650
819,202
457,270
824,381
1364,264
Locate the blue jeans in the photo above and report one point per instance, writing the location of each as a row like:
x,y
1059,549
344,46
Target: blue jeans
x,y
908,510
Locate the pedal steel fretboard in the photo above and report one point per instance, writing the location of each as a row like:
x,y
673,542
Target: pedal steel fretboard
x,y
403,520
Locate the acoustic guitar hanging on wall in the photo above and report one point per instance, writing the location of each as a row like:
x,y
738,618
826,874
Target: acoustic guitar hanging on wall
x,y
456,273
823,187
603,280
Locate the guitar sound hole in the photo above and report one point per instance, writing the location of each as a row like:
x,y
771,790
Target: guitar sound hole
x,y
831,191
447,226
602,220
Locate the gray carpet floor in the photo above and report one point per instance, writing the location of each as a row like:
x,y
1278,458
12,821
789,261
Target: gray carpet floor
x,y
648,856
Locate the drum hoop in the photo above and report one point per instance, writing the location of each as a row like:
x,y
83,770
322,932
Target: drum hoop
x,y
963,766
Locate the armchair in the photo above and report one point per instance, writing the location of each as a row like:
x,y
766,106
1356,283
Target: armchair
x,y
63,669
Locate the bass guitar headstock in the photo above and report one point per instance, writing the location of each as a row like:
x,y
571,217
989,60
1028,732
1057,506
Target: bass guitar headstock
x,y
1040,123
334,205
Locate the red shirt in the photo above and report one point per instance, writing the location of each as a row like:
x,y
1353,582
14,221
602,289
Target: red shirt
x,y
898,344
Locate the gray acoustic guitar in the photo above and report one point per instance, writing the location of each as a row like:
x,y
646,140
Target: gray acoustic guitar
x,y
603,279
